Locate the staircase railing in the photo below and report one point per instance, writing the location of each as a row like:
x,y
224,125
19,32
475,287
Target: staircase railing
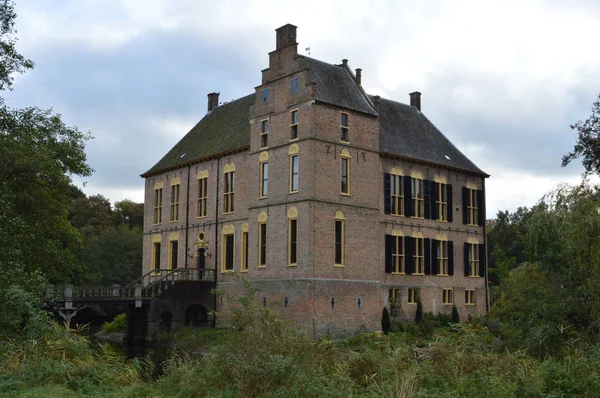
x,y
165,280
156,283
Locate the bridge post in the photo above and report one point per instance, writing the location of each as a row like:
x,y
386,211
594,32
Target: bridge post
x,y
69,298
138,296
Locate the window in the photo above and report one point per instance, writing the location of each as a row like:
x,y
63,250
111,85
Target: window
x,y
294,125
397,200
293,241
393,295
262,244
173,248
419,256
441,201
174,202
473,259
202,196
244,265
294,173
344,127
447,298
264,134
413,295
472,207
228,252
156,256
442,257
417,197
470,297
345,174
339,239
229,191
157,205
398,255
294,84
265,94
264,179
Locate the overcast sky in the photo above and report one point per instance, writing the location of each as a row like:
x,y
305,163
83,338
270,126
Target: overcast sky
x,y
502,79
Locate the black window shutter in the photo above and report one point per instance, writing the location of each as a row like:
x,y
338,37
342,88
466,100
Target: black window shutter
x,y
409,264
434,199
450,258
466,259
480,215
387,194
450,207
481,260
408,208
389,242
465,202
427,256
435,247
426,199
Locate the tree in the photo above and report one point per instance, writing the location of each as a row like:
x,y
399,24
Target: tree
x,y
588,142
38,156
113,256
130,213
11,61
91,215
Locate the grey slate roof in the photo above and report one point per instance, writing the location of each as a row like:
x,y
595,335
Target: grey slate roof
x,y
405,131
225,129
336,86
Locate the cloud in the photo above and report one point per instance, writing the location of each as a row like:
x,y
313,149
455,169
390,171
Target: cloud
x,y
503,80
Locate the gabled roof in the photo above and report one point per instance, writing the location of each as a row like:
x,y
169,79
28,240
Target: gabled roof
x,y
404,131
226,128
336,86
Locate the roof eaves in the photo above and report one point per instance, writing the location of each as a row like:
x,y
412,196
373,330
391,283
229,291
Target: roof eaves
x,y
425,162
196,161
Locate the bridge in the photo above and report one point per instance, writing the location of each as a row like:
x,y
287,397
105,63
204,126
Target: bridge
x,y
67,300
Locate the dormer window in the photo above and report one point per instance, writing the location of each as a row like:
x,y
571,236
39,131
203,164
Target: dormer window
x,y
265,94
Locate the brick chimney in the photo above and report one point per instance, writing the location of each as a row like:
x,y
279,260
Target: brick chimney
x,y
358,76
286,36
415,100
213,101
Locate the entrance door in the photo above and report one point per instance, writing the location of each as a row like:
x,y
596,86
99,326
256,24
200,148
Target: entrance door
x,y
201,263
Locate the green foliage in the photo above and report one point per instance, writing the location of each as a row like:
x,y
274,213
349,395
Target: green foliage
x,y
454,317
419,311
91,215
129,213
588,141
39,155
63,360
386,323
21,315
12,62
113,256
116,325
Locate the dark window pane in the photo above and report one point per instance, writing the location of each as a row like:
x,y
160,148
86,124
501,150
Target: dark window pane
x,y
338,242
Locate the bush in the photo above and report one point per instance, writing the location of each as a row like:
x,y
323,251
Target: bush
x,y
419,312
386,324
454,318
117,325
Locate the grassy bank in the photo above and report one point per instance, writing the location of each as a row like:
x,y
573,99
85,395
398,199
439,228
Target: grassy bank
x,y
460,360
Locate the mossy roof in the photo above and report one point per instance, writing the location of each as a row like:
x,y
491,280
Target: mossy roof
x,y
225,129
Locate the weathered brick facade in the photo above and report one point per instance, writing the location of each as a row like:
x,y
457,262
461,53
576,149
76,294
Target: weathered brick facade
x,y
316,294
